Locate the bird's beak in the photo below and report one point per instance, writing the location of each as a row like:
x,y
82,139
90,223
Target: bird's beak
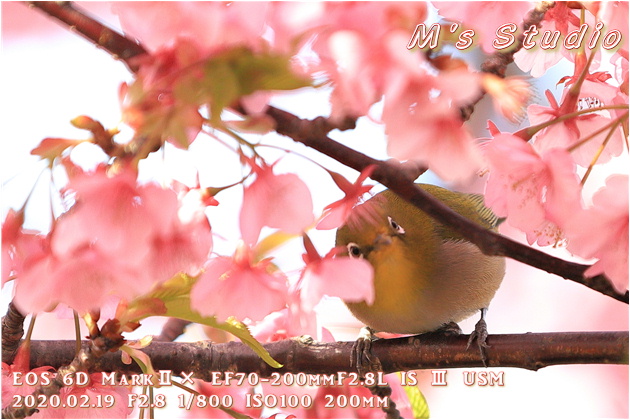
x,y
382,239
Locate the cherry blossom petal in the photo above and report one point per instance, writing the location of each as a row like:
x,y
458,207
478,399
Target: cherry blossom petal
x,y
84,282
213,25
335,214
434,137
21,365
495,14
529,189
602,232
236,287
278,201
19,245
108,215
343,277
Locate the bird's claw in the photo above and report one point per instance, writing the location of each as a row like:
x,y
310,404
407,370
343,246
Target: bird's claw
x,y
305,339
480,334
450,329
362,356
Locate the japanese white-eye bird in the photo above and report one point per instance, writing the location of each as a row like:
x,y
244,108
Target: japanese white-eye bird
x,y
426,275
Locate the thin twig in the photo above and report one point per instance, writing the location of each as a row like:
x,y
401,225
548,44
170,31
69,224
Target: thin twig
x,y
498,62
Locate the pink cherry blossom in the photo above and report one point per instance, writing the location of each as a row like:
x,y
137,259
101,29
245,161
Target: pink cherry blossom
x,y
335,214
279,326
620,61
278,201
240,287
292,21
568,133
537,60
347,278
430,131
273,327
615,15
510,95
186,243
84,281
601,231
214,25
359,51
144,226
110,214
490,16
532,190
19,245
119,239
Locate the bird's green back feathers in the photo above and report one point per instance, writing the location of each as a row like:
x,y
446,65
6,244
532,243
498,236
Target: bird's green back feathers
x,y
471,206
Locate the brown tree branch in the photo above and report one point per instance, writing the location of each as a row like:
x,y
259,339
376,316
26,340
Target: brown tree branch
x,y
172,329
530,351
12,332
391,176
117,45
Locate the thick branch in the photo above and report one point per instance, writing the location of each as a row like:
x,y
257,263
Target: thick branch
x,y
428,351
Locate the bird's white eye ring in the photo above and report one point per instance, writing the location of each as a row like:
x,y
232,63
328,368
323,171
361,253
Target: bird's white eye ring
x,y
397,228
354,251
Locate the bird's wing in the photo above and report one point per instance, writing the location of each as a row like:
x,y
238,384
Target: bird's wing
x,y
490,220
471,206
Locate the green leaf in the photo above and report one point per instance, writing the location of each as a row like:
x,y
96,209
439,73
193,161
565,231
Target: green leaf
x,y
266,72
175,293
271,242
419,405
222,87
239,72
180,308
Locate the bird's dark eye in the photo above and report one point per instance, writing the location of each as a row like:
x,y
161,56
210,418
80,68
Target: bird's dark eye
x,y
354,251
397,228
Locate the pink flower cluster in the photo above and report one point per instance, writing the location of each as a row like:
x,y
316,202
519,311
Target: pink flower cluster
x,y
247,286
118,239
536,184
359,47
